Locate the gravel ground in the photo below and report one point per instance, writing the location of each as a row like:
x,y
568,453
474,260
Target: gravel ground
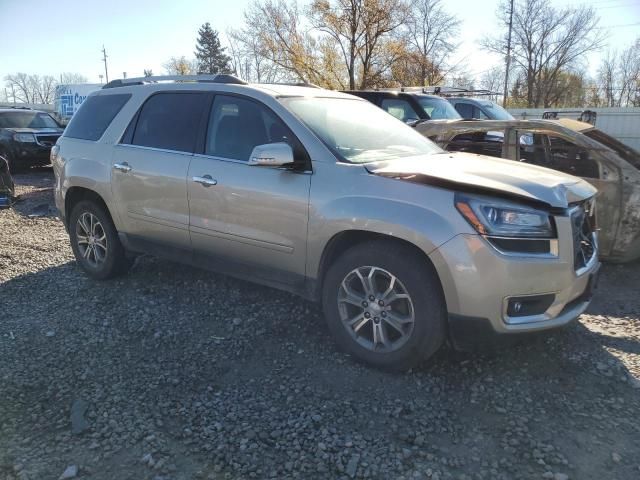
x,y
175,373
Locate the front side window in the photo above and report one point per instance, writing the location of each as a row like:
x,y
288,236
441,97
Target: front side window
x,y
95,115
401,109
27,120
438,108
557,153
481,142
358,132
237,125
170,121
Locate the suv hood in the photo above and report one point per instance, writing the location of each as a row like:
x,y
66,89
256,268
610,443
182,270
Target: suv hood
x,y
464,171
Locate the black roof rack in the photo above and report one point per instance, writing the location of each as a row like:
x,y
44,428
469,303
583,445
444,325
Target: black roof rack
x,y
219,78
16,107
587,116
459,92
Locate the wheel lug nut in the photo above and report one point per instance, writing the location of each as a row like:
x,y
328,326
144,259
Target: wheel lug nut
x,y
381,303
367,314
376,319
372,298
365,304
384,314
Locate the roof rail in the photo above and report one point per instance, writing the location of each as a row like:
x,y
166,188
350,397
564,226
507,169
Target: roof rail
x,y
219,78
15,107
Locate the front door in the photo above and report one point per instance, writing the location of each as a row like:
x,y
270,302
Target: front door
x,y
150,166
250,219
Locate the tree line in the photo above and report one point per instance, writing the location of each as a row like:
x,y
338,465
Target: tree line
x,y
358,44
31,88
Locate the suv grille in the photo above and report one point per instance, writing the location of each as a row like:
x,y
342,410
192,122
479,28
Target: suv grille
x,y
583,228
47,140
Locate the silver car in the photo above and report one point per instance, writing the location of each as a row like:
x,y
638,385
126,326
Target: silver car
x,y
323,194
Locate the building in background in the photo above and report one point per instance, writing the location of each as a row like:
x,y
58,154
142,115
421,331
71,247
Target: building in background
x,y
68,98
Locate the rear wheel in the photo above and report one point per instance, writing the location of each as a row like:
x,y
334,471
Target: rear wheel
x,y
95,242
384,305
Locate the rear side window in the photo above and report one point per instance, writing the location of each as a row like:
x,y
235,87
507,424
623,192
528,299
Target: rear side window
x,y
94,116
170,121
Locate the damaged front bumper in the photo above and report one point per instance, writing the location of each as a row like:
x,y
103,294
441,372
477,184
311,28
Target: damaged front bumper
x,y
489,291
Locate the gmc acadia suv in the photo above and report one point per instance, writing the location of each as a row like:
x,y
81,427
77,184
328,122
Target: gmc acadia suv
x,y
325,195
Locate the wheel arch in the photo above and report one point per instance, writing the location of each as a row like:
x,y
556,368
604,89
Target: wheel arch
x,y
78,194
346,239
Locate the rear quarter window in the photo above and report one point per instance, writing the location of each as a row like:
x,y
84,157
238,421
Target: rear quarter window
x,y
95,115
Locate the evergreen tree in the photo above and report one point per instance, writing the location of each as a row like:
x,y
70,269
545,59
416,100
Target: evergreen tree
x,y
210,55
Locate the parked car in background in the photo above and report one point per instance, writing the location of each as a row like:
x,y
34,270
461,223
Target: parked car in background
x,y
324,195
412,106
7,188
26,137
572,147
479,109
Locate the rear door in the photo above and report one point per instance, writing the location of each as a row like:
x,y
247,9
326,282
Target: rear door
x,y
150,165
251,220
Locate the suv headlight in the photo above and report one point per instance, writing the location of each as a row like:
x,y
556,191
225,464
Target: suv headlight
x,y
24,137
501,218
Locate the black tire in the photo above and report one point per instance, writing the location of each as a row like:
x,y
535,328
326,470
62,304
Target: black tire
x,y
416,277
114,259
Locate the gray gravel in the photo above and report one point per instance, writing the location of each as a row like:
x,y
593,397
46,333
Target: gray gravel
x,y
175,373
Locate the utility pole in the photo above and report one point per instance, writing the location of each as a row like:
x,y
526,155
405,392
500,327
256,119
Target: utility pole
x,y
104,59
508,59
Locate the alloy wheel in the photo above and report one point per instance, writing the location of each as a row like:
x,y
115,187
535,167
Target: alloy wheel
x,y
91,239
376,309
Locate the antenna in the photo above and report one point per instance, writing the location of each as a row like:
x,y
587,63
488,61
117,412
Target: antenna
x,y
104,59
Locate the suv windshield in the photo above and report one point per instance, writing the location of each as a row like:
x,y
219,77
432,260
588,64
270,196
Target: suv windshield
x,y
496,112
27,120
357,131
438,109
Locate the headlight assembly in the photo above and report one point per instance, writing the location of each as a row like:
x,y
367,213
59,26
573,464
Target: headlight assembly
x,y
24,137
501,218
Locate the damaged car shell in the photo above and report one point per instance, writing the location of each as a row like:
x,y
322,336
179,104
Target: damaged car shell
x,y
618,186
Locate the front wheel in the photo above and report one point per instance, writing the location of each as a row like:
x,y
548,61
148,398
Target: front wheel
x,y
95,242
384,305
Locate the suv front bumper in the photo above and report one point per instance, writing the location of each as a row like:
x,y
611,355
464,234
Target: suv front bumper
x,y
479,282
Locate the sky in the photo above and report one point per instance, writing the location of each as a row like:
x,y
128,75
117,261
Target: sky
x,y
48,38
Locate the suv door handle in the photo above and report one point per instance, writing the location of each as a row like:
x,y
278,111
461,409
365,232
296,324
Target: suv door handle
x,y
205,180
122,167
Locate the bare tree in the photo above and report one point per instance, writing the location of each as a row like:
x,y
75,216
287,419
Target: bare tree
x,y
147,72
358,29
42,88
619,76
547,41
20,85
492,80
71,78
273,31
429,33
180,66
250,60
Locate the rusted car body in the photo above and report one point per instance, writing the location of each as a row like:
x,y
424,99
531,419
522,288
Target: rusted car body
x,y
572,147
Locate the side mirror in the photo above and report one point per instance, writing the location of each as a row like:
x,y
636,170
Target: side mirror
x,y
271,155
